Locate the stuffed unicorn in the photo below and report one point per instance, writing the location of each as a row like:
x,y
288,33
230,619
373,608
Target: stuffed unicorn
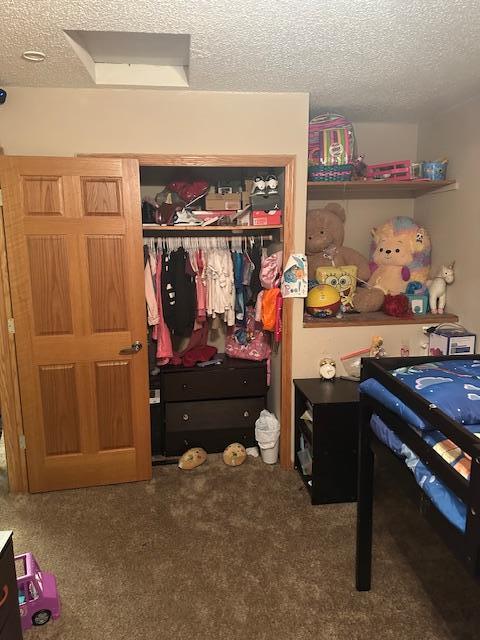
x,y
437,287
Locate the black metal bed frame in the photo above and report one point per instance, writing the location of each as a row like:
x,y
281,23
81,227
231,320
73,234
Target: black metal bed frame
x,y
466,546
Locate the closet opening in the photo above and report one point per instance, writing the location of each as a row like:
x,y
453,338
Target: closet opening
x,y
214,244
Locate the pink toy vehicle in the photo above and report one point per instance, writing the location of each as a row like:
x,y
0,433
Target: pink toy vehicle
x,y
37,592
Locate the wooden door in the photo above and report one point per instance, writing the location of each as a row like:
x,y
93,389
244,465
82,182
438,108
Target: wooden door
x,y
74,251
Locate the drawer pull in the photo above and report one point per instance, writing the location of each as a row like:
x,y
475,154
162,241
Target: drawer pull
x,y
5,595
245,382
246,414
186,417
184,387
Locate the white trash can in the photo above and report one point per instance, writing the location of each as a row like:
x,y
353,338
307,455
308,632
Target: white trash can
x,y
267,434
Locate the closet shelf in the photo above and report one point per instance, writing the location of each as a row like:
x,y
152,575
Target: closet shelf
x,y
376,318
156,229
376,189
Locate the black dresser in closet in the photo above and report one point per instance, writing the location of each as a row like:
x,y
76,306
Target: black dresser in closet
x,y
208,407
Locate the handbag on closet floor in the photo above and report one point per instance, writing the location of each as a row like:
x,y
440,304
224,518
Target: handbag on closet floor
x,y
246,342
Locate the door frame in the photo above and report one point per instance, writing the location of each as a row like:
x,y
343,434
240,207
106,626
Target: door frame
x,y
9,386
10,404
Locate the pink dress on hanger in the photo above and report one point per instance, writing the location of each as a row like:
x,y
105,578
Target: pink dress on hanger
x,y
161,332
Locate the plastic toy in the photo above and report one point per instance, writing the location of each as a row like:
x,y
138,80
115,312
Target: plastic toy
x,y
38,598
323,301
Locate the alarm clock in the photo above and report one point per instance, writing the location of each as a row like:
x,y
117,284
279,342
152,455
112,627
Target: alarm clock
x,y
327,369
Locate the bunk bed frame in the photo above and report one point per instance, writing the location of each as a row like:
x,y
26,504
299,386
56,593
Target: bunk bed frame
x,y
465,546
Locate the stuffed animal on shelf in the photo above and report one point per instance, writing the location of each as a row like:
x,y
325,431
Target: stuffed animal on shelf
x,y
399,253
324,248
437,287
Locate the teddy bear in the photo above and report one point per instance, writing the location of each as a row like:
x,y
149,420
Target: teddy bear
x,y
399,253
324,247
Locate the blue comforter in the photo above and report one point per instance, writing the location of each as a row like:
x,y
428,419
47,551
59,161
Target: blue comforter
x,y
454,386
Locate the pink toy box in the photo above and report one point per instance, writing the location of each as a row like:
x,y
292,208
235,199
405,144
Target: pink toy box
x,y
397,170
38,598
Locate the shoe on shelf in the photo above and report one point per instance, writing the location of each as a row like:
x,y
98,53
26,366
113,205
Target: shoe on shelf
x,y
186,218
259,187
272,185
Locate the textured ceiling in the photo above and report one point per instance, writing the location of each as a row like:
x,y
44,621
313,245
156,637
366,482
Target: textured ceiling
x,y
371,59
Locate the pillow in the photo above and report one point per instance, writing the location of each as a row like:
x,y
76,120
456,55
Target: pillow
x,y
343,279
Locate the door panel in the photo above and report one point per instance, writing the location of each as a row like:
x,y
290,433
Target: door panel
x,y
74,249
51,304
113,404
106,260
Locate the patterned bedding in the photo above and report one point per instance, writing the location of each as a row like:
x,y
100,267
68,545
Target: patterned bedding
x,y
454,386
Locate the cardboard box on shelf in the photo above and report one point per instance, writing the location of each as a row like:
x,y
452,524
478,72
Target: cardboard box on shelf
x,y
249,186
451,341
266,203
217,202
266,218
245,199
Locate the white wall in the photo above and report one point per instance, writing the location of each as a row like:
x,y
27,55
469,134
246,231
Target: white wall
x,y
453,218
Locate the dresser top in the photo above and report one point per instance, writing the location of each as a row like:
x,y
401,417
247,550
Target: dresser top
x,y
319,391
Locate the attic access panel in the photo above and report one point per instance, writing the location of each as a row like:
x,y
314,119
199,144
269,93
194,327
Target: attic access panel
x,y
125,58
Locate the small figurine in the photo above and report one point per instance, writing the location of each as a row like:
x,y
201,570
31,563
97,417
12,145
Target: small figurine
x,y
360,167
376,348
437,287
327,369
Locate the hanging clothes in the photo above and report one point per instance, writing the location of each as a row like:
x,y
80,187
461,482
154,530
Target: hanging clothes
x,y
219,281
161,332
178,293
150,297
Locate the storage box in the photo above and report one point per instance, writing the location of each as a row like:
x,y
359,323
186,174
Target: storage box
x,y
245,199
450,341
396,170
208,215
418,302
266,218
266,203
217,202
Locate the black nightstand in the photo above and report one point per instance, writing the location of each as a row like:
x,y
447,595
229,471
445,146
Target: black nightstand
x,y
331,437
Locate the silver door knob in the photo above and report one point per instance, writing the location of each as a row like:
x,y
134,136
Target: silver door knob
x,y
134,348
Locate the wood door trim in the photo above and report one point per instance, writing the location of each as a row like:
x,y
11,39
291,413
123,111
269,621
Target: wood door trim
x,y
286,162
187,160
9,389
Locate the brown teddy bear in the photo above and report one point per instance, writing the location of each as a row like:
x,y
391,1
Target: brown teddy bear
x,y
324,247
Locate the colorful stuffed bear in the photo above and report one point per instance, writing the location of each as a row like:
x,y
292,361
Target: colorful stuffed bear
x,y
399,253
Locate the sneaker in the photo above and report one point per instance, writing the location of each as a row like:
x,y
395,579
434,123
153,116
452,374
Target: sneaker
x,y
272,185
259,187
186,218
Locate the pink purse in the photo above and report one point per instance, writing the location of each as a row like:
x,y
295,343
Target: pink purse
x,y
248,343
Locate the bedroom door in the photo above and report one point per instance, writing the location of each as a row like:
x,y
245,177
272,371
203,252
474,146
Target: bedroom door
x,y
74,252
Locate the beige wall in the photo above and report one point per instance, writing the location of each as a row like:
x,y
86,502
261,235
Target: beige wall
x,y
69,121
453,218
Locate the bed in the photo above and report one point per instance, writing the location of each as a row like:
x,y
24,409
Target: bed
x,y
422,416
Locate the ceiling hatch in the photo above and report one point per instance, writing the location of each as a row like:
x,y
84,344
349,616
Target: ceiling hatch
x,y
133,59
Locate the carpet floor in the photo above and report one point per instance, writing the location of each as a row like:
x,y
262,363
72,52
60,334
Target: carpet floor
x,y
236,553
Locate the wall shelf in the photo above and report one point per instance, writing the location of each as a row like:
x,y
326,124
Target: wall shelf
x,y
376,318
155,229
374,189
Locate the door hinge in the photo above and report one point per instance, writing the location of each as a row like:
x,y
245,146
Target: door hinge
x,y
11,325
1,199
21,440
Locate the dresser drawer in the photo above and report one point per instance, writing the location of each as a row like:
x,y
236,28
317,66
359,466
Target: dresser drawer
x,y
177,442
220,382
209,415
8,587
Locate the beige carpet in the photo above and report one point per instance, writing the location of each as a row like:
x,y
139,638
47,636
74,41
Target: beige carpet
x,y
236,553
